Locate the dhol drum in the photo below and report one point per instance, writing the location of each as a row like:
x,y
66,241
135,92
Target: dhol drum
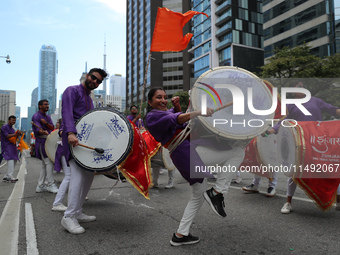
x,y
162,159
305,147
238,129
267,150
104,129
310,153
51,144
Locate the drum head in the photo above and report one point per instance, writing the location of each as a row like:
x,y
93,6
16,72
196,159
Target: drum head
x,y
51,144
216,97
286,148
267,150
107,129
167,160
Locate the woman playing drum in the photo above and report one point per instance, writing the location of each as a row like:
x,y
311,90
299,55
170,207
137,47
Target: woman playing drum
x,y
315,106
164,124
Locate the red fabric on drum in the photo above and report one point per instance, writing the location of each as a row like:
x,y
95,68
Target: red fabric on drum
x,y
318,148
136,167
151,144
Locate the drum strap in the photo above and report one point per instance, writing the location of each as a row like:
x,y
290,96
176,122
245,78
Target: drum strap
x,y
178,139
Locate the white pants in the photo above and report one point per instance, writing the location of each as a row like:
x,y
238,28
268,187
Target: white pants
x,y
46,172
64,184
291,187
155,174
80,183
10,168
271,183
210,156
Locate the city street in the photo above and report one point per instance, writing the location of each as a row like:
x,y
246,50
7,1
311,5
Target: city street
x,y
127,223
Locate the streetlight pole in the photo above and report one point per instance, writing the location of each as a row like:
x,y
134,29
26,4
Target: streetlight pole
x,y
8,61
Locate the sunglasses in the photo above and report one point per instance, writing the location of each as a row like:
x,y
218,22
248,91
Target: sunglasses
x,y
95,78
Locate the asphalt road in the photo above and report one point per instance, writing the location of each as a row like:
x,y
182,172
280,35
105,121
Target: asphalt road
x,y
127,223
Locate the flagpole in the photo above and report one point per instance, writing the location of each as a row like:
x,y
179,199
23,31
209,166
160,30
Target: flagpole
x,y
144,83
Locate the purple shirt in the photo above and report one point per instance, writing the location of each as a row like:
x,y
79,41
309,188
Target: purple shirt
x,y
162,125
9,150
139,123
315,106
76,102
39,141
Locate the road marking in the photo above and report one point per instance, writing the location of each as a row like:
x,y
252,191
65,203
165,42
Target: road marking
x,y
9,221
31,237
3,164
279,195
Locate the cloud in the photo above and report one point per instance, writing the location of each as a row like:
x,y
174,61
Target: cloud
x,y
118,6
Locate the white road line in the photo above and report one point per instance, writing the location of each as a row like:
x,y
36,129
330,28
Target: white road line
x,y
9,221
279,195
3,164
31,238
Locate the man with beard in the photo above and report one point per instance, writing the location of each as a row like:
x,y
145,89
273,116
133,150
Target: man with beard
x,y
76,102
135,117
42,126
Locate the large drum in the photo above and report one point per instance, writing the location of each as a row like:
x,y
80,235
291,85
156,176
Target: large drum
x,y
162,158
239,129
102,128
267,150
310,152
51,144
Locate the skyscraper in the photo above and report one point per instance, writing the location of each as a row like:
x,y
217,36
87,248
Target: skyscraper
x,y
231,36
34,97
118,88
167,70
7,104
48,69
291,23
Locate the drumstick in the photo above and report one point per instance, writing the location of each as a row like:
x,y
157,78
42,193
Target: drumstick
x,y
36,126
223,106
99,150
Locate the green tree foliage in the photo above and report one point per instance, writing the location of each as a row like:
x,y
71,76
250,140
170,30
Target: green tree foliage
x,y
321,76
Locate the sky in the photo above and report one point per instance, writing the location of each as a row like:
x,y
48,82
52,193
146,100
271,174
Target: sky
x,y
76,28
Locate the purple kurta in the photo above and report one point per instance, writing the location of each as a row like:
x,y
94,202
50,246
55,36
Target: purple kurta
x,y
163,125
39,141
8,149
315,106
139,123
76,102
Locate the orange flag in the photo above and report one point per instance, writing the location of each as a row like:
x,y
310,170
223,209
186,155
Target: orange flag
x,y
168,32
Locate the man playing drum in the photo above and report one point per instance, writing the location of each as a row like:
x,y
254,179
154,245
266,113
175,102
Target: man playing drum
x,y
42,126
76,101
315,106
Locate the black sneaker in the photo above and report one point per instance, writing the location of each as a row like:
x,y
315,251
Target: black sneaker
x,y
5,179
189,239
216,202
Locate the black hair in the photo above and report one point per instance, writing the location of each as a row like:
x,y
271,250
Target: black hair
x,y
40,103
133,106
100,71
12,117
151,94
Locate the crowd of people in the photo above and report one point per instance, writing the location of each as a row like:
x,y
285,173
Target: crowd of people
x,y
165,125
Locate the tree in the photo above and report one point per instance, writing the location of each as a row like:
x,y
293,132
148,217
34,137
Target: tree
x,y
183,100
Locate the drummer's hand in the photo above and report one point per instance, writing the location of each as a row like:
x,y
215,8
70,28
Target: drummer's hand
x,y
138,116
19,133
210,112
72,139
175,101
268,132
43,121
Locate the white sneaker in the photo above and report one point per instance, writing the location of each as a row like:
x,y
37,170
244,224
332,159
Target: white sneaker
x,y
170,185
85,218
52,188
251,188
337,206
287,208
59,208
71,225
238,180
41,188
271,192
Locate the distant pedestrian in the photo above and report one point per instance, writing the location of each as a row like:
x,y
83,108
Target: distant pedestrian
x,y
9,148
